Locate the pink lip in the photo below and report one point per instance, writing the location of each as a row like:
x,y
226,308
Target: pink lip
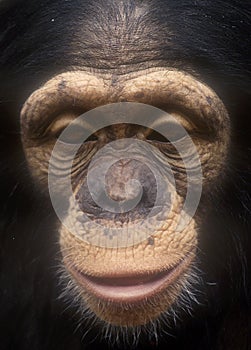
x,y
129,288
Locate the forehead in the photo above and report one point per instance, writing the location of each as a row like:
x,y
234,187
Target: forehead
x,y
107,34
44,38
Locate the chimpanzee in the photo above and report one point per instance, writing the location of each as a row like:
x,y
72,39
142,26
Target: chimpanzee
x,y
139,104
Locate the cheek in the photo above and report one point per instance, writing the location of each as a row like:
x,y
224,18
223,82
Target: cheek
x,y
38,159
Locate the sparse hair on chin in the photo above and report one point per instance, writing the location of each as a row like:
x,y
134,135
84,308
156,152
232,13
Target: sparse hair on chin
x,y
127,336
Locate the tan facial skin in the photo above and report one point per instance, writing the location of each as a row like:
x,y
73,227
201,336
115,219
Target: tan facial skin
x,y
168,256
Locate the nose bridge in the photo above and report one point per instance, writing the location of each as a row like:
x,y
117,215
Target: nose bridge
x,y
120,131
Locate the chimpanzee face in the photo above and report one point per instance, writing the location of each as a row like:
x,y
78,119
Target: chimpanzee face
x,y
120,177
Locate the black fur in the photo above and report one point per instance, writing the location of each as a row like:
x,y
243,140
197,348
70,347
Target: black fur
x,y
208,38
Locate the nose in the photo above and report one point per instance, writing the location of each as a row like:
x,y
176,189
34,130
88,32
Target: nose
x,y
129,190
123,180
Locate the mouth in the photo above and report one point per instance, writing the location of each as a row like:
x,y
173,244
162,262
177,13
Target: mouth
x,y
128,288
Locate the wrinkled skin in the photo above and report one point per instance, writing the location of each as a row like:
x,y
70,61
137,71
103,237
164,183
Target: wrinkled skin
x,y
170,247
184,58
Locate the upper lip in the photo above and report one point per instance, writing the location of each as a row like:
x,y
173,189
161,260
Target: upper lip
x,y
130,288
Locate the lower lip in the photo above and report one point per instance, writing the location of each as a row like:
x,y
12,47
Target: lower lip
x,y
130,289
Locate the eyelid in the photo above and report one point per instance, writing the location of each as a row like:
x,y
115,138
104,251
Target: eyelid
x,y
61,122
71,120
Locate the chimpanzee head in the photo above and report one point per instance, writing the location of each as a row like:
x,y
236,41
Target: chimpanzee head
x,y
128,124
